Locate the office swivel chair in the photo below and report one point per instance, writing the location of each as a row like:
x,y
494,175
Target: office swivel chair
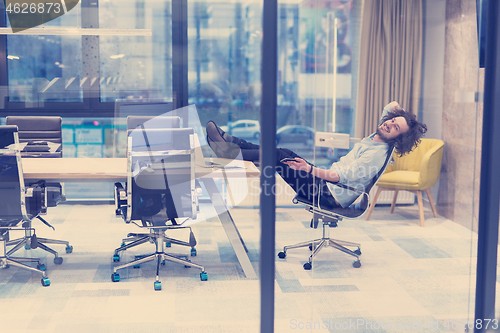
x,y
18,204
39,132
331,215
151,122
160,190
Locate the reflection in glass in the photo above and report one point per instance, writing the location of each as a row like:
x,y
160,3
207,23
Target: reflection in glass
x,y
46,68
136,67
224,68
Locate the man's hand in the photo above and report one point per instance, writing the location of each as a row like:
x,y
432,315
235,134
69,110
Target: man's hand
x,y
395,106
299,164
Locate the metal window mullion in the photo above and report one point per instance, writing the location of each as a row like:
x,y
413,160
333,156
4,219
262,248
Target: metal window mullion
x,y
90,54
180,53
4,76
269,64
489,192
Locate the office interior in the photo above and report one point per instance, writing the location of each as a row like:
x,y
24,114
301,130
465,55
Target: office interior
x,y
336,62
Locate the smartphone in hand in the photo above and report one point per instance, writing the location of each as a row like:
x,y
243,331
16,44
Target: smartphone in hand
x,y
287,159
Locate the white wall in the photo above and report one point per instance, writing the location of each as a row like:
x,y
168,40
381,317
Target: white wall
x,y
431,106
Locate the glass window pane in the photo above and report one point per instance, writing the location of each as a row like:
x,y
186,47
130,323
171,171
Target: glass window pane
x,y
136,66
46,68
224,63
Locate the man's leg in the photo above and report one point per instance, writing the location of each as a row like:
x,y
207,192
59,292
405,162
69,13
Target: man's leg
x,y
228,146
223,144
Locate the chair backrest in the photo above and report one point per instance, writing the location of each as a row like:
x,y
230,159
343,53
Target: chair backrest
x,y
359,206
413,160
150,122
12,198
38,129
161,177
146,107
426,159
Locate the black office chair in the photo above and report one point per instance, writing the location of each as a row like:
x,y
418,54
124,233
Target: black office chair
x,y
331,215
43,138
160,190
152,122
39,132
18,204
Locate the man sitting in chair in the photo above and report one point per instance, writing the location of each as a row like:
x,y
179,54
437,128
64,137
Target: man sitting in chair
x,y
397,128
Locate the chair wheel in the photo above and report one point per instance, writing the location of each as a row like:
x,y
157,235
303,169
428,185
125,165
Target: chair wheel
x,y
203,276
357,252
58,260
157,285
308,266
27,247
137,266
168,244
45,281
310,247
187,266
282,255
116,258
69,249
41,267
115,277
193,252
356,264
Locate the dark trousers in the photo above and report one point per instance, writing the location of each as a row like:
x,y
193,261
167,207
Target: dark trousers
x,y
303,183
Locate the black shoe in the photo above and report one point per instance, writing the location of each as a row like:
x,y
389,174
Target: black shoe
x,y
211,131
221,142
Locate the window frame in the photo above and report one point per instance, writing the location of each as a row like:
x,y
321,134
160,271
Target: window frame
x,y
91,106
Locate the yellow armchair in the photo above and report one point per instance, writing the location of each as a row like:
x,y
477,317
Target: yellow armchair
x,y
415,172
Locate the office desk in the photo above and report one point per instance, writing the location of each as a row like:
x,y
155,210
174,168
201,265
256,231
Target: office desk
x,y
115,170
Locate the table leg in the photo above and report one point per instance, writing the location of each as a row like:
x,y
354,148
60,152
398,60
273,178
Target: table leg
x,y
229,227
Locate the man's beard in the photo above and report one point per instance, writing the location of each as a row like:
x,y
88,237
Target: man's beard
x,y
382,134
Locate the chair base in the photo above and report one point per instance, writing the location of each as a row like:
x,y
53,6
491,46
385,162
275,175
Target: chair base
x,y
6,261
136,239
317,245
158,237
33,242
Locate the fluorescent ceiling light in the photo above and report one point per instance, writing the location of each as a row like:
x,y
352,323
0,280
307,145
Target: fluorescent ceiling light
x,y
11,57
117,56
78,32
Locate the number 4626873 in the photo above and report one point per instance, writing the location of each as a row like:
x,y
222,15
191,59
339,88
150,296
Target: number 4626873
x,y
33,8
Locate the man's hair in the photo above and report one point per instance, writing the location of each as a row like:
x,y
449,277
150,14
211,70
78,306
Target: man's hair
x,y
406,142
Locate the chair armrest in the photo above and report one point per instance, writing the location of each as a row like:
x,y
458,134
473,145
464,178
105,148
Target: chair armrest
x,y
430,167
35,199
345,186
120,200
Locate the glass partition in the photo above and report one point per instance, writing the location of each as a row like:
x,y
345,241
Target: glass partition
x,y
416,274
412,260
136,66
46,68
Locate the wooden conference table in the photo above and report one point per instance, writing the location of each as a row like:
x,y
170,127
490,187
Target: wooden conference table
x,y
115,170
